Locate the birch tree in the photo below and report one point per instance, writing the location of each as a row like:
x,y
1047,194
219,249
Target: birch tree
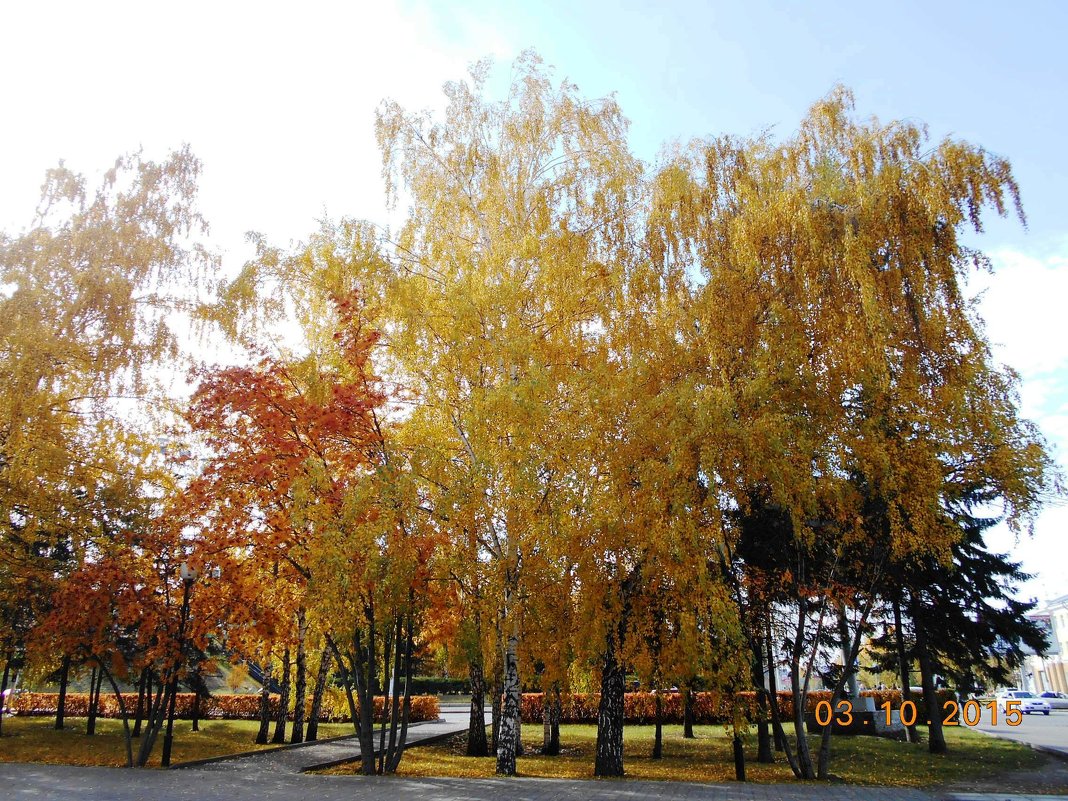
x,y
836,334
517,216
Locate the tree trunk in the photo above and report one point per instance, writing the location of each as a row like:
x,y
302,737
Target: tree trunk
x,y
739,757
302,679
196,710
346,683
823,760
687,710
609,757
95,679
550,712
283,702
498,697
391,696
317,694
776,719
387,654
365,676
3,690
773,694
903,667
846,683
936,741
156,719
554,722
265,703
764,750
658,737
508,738
397,746
165,757
61,703
139,713
127,735
476,723
799,690
198,694
851,689
804,756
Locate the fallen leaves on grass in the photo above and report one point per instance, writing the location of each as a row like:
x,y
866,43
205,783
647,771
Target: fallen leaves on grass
x,y
708,758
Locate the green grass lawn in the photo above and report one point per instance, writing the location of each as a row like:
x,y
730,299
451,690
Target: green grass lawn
x,y
35,740
708,758
860,760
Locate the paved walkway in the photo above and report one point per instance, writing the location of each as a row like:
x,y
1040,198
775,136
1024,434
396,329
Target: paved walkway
x,y
47,782
309,756
63,782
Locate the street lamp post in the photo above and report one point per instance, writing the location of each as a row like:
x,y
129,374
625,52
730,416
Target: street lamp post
x,y
189,575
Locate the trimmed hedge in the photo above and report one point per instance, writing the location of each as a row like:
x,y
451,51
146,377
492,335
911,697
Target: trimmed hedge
x,y
640,707
217,707
438,685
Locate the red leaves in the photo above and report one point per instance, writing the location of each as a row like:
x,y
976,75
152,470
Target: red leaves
x,y
291,441
278,423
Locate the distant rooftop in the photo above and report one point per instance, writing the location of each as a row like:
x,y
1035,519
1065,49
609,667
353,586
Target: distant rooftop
x,y
1055,603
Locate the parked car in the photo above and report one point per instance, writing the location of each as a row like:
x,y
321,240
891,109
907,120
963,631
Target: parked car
x,y
1028,702
1055,700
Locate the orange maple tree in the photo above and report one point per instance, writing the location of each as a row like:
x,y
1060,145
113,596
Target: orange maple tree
x,y
300,494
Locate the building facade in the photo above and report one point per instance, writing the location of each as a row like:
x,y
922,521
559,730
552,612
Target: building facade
x,y
1049,672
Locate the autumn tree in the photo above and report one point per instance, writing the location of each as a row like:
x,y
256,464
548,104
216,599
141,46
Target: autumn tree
x,y
91,291
496,292
836,336
301,482
673,411
125,610
503,267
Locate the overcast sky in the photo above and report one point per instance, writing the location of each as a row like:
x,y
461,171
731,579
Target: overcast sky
x,y
278,101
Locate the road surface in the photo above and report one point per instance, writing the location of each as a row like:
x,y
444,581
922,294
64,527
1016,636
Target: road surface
x,y
1047,732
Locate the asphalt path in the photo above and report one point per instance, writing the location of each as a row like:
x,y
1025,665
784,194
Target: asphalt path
x,y
326,753
1049,732
48,782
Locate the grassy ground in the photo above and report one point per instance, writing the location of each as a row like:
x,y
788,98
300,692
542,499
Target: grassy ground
x,y
708,758
35,740
974,759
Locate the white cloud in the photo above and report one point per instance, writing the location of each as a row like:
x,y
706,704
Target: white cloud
x,y
1023,304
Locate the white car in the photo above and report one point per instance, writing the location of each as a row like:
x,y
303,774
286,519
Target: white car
x,y
1055,700
1026,702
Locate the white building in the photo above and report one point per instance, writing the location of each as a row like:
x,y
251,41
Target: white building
x,y
1049,672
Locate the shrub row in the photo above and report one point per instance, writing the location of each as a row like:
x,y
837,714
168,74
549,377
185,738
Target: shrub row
x,y
640,707
437,685
219,707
